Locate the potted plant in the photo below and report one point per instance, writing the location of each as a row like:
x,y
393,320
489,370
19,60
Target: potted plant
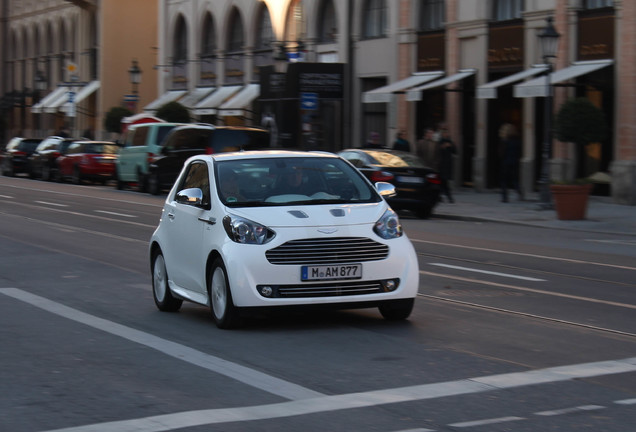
x,y
580,122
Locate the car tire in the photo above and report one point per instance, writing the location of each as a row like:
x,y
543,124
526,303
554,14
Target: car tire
x,y
46,173
121,185
152,181
164,299
396,310
225,314
424,212
142,181
77,176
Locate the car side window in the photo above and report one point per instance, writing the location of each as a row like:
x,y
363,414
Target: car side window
x,y
198,176
139,137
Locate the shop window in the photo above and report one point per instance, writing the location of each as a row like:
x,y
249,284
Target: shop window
x,y
505,10
375,19
595,4
328,25
180,53
431,15
208,42
236,41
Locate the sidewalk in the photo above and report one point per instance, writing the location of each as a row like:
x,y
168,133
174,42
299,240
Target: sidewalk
x,y
602,215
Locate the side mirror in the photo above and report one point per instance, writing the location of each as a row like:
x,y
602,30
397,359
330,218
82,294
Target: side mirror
x,y
192,196
386,190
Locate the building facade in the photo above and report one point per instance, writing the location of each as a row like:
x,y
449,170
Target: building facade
x,y
331,72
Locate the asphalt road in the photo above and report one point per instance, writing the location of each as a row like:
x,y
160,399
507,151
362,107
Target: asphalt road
x,y
516,328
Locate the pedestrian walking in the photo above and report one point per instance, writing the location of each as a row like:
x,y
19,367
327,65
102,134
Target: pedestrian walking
x,y
510,153
401,143
446,150
427,148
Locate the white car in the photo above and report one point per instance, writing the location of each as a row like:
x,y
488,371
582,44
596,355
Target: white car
x,y
280,228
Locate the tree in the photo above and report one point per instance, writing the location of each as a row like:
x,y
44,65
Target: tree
x,y
580,122
112,121
174,112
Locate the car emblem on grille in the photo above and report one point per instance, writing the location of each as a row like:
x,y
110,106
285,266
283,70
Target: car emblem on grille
x,y
327,230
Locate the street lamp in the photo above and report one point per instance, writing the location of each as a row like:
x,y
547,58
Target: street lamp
x,y
40,85
549,39
135,78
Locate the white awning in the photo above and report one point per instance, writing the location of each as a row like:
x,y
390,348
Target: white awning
x,y
51,97
194,97
169,96
489,90
235,106
415,94
537,86
85,92
210,104
385,93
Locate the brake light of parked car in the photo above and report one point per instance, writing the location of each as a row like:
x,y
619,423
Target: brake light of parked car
x,y
381,176
151,158
433,178
209,150
19,153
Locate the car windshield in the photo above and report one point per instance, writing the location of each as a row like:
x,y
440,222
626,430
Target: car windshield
x,y
101,149
286,180
396,160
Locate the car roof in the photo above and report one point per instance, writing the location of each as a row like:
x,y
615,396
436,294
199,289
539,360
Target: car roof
x,y
206,126
265,154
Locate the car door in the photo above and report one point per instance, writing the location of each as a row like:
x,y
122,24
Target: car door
x,y
185,224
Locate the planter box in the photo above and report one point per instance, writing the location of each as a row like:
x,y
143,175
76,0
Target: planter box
x,y
570,201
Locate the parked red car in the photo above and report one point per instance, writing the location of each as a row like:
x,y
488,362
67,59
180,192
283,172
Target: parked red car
x,y
88,160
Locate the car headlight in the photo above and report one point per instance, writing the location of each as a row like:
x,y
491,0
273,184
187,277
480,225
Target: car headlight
x,y
245,231
388,226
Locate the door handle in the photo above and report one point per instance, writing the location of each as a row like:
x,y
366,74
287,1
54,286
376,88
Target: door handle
x,y
171,216
209,220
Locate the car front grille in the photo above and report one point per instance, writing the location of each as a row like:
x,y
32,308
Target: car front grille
x,y
340,250
327,289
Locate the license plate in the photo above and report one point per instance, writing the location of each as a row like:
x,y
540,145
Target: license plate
x,y
410,179
331,272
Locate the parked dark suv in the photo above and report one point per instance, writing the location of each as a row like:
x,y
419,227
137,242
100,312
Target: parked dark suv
x,y
185,141
43,161
15,156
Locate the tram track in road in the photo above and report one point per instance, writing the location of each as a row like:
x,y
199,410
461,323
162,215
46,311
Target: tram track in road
x,y
533,271
526,314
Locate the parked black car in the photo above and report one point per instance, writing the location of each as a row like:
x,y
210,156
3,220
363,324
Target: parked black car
x,y
15,156
43,161
189,140
417,186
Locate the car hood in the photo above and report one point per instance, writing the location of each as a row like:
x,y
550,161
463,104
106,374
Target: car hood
x,y
313,215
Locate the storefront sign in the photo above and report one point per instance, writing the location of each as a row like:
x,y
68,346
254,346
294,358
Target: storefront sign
x,y
430,52
505,47
596,37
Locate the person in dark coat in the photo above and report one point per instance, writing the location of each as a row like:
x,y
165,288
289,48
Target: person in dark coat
x,y
374,141
510,151
401,143
445,150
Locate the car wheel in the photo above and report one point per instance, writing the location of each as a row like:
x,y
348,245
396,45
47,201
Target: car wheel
x,y
153,184
77,176
225,314
396,310
142,182
160,290
424,212
46,173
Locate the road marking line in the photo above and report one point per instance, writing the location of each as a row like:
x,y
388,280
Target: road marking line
x,y
626,402
487,272
485,422
417,430
115,214
240,373
303,401
532,290
6,196
523,254
51,204
570,410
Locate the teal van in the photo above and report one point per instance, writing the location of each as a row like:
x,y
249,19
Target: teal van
x,y
140,143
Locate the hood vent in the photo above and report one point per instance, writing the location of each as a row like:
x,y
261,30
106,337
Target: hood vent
x,y
299,214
